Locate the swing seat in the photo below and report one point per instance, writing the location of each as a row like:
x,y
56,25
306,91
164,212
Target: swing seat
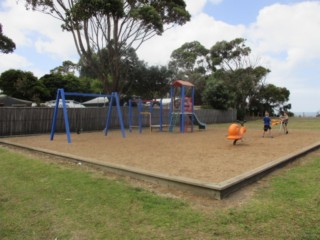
x,y
275,122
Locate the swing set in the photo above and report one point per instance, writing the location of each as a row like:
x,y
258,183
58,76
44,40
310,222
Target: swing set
x,y
61,94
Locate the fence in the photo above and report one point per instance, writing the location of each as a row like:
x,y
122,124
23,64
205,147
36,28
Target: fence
x,y
24,121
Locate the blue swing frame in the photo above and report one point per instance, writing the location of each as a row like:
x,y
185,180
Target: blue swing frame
x,y
61,94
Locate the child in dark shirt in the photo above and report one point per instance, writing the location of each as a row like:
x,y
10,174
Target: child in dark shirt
x,y
266,124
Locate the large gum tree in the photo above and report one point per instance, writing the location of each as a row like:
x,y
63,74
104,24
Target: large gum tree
x,y
113,26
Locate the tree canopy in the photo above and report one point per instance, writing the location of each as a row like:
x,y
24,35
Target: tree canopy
x,y
188,59
100,26
217,94
273,99
66,68
189,62
151,82
69,82
6,44
24,85
230,55
226,76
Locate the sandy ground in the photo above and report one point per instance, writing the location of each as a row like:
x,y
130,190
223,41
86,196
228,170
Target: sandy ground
x,y
203,155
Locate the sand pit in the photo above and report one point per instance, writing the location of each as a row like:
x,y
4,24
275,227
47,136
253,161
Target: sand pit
x,y
205,156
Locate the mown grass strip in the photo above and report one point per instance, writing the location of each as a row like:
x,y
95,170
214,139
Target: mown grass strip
x,y
45,201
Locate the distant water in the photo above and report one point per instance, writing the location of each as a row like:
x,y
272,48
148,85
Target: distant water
x,y
305,114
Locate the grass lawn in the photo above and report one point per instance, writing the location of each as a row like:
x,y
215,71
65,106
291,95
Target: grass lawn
x,y
46,200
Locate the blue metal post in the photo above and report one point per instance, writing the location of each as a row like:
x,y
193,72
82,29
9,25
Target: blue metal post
x,y
116,96
171,104
65,115
55,114
192,99
151,110
161,110
109,115
182,109
192,115
140,115
130,115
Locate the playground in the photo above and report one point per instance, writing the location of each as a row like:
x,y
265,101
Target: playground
x,y
205,156
219,158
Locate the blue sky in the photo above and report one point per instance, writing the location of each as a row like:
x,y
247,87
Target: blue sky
x,y
283,35
239,12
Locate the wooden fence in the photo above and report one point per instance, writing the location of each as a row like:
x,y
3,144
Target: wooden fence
x,y
32,120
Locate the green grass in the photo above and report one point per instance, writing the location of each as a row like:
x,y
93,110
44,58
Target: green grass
x,y
46,200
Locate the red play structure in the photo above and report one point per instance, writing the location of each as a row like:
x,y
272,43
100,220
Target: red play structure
x,y
183,114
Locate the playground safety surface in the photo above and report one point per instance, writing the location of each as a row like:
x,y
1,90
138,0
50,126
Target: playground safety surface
x,y
203,162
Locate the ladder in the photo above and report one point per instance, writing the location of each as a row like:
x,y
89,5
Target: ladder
x,y
173,121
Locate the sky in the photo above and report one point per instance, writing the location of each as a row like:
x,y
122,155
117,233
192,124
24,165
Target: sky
x,y
284,36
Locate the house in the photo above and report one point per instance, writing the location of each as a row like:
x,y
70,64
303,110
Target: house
x,y
6,101
97,102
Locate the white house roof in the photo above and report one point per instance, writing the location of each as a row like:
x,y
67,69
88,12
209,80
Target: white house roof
x,y
97,100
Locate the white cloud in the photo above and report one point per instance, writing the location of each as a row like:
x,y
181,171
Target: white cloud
x,y
36,30
286,37
289,28
13,61
202,28
195,7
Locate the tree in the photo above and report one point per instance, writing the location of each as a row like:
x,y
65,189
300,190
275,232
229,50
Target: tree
x,y
188,59
114,25
24,85
189,62
129,64
245,84
92,85
67,67
137,77
6,44
217,95
151,82
273,99
230,56
69,82
231,63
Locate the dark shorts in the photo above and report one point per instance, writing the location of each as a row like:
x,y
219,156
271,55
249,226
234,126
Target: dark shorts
x,y
266,127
